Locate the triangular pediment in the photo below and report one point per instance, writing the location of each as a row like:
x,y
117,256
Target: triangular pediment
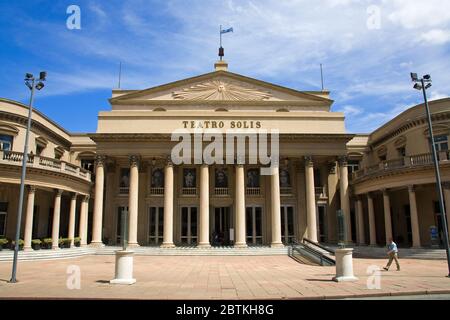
x,y
218,86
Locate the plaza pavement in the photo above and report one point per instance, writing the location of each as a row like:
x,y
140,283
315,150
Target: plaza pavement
x,y
232,277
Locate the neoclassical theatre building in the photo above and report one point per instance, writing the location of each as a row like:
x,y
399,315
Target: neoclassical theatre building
x,y
78,185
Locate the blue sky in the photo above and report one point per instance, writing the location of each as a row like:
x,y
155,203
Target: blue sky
x,y
367,47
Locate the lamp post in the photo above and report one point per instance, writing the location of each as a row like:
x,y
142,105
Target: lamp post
x,y
423,84
32,84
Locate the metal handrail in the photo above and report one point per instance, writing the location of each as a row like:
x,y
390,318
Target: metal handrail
x,y
319,245
319,255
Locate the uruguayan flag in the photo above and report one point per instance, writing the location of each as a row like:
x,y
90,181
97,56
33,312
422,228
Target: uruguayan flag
x,y
226,30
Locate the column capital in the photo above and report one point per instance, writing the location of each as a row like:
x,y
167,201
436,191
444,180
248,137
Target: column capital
x,y
134,160
58,192
309,161
31,189
275,162
343,161
385,191
100,160
169,161
332,167
86,197
411,188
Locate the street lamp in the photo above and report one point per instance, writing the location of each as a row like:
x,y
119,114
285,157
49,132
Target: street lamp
x,y
32,84
423,84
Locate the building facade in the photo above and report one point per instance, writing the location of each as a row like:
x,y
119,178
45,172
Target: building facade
x,y
79,185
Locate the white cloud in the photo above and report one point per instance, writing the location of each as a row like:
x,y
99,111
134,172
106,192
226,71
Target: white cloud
x,y
436,36
413,14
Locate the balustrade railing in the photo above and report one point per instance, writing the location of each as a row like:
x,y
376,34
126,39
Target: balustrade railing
x,y
405,162
16,158
253,191
221,191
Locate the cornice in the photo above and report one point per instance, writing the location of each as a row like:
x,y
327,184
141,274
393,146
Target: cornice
x,y
445,115
157,137
35,126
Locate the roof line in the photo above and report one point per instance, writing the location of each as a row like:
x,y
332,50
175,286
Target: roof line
x,y
139,93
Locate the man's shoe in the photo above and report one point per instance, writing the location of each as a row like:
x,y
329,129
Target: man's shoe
x,y
385,268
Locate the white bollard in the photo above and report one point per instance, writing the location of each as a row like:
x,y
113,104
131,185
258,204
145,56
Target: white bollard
x,y
344,265
124,268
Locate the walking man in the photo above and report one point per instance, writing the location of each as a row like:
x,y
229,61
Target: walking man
x,y
393,255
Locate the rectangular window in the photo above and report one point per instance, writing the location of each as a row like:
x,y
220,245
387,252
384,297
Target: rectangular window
x,y
6,142
401,152
124,185
353,166
3,215
254,225
189,225
155,225
287,224
441,143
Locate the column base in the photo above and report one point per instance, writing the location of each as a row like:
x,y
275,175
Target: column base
x,y
123,281
28,249
167,245
133,245
56,248
240,245
96,244
204,245
277,245
345,279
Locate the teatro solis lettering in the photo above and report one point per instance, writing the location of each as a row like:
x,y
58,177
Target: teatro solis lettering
x,y
211,124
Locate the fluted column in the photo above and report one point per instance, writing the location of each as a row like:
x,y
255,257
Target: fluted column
x,y
276,206
204,207
28,232
447,202
311,217
56,219
240,240
387,215
98,202
168,206
84,209
73,205
133,199
372,227
414,217
345,198
360,221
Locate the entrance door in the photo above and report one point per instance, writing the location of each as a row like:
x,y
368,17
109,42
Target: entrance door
x,y
321,221
189,218
120,210
287,224
155,225
438,223
222,225
254,225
